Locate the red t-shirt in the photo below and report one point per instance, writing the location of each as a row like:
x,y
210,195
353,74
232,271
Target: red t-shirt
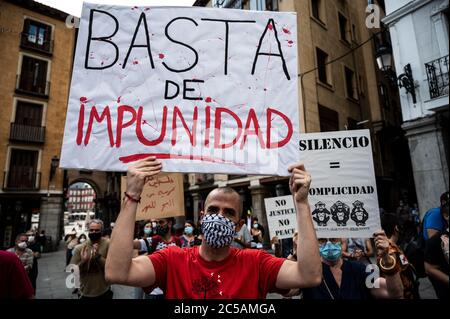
x,y
244,274
14,281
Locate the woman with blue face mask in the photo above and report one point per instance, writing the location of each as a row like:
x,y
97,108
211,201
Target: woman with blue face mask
x,y
189,238
344,279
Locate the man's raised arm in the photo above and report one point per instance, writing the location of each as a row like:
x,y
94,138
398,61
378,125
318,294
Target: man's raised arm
x,y
307,271
121,268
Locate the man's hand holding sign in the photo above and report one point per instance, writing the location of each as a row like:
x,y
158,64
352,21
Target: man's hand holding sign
x,y
137,176
302,272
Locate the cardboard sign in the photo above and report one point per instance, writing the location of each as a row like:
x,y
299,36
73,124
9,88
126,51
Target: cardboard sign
x,y
343,192
162,197
205,90
281,216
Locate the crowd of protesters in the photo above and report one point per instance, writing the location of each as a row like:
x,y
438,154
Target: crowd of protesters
x,y
405,250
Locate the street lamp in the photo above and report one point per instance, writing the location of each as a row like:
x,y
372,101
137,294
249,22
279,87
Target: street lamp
x,y
405,80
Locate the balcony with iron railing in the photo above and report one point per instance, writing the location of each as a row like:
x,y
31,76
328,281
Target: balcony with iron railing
x,y
21,179
25,84
27,133
437,74
46,47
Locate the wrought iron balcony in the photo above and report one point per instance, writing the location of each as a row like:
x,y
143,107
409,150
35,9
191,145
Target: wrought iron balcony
x,y
21,178
27,133
437,74
27,85
45,47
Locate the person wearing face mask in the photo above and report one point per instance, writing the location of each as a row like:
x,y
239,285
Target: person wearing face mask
x,y
23,252
189,237
164,235
90,257
162,238
82,238
143,242
344,279
36,249
257,232
214,269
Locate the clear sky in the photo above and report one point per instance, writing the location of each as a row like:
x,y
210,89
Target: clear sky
x,y
73,7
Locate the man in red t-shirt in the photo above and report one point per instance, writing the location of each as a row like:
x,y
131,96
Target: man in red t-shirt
x,y
214,269
14,282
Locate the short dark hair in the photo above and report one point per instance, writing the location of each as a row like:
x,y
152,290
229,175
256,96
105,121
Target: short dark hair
x,y
388,223
107,232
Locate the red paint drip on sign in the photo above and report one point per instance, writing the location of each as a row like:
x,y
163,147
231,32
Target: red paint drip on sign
x,y
286,31
161,55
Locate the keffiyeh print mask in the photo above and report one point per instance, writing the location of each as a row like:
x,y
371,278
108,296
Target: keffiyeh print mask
x,y
218,231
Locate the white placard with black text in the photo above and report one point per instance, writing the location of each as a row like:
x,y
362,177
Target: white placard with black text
x,y
281,216
343,193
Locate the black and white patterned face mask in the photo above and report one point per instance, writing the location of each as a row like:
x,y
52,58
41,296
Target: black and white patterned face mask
x,y
218,231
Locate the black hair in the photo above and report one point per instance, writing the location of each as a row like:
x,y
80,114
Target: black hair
x,y
107,232
388,223
190,222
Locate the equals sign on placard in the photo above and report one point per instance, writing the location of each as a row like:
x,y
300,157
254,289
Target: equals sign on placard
x,y
335,165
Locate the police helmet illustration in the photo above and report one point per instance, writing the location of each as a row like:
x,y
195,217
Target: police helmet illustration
x,y
320,214
340,213
359,214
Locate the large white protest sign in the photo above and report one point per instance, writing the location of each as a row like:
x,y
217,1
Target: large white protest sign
x,y
343,192
281,216
205,90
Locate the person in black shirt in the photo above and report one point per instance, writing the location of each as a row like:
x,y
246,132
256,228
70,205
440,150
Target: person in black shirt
x,y
436,264
42,241
36,248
